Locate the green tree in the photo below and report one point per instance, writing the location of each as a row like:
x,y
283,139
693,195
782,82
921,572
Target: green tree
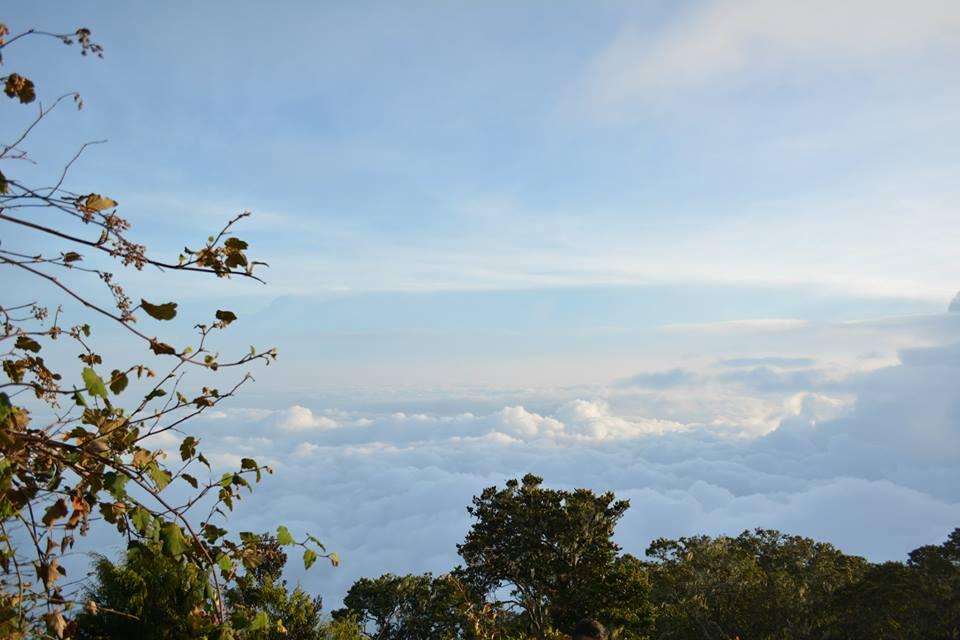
x,y
77,437
908,601
144,596
412,607
346,627
263,591
553,552
761,584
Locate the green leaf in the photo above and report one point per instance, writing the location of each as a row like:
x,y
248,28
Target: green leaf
x,y
114,483
77,398
226,317
235,243
94,383
118,381
224,562
260,622
174,544
5,407
284,537
249,464
309,557
161,477
141,519
156,393
27,344
189,479
166,311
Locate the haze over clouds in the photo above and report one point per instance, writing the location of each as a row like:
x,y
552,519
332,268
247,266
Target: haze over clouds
x,y
697,253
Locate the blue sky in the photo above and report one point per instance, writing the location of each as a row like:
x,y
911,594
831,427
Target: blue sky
x,y
698,244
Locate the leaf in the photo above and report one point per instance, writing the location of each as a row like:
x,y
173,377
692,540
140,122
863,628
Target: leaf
x,y
165,311
97,202
56,625
189,479
334,559
54,512
27,344
226,317
114,483
118,381
284,537
309,557
19,87
4,185
188,448
50,572
224,562
156,393
5,407
235,243
94,383
260,622
161,477
249,464
174,544
72,256
161,348
141,519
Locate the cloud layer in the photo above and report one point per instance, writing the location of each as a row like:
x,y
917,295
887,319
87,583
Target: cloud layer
x,y
867,460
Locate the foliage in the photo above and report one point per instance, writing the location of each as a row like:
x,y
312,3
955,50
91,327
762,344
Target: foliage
x,y
346,627
77,441
553,551
147,596
415,607
912,600
262,591
143,596
761,584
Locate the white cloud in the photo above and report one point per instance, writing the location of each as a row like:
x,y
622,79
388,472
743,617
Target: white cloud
x,y
866,459
718,39
298,418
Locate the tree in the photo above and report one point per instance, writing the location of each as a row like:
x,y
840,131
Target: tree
x,y
262,591
149,597
553,551
761,584
143,596
77,440
412,607
912,600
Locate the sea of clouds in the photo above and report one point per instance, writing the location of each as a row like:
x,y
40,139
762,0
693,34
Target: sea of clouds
x,y
862,453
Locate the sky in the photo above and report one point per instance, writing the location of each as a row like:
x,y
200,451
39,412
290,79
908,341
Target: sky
x,y
697,253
